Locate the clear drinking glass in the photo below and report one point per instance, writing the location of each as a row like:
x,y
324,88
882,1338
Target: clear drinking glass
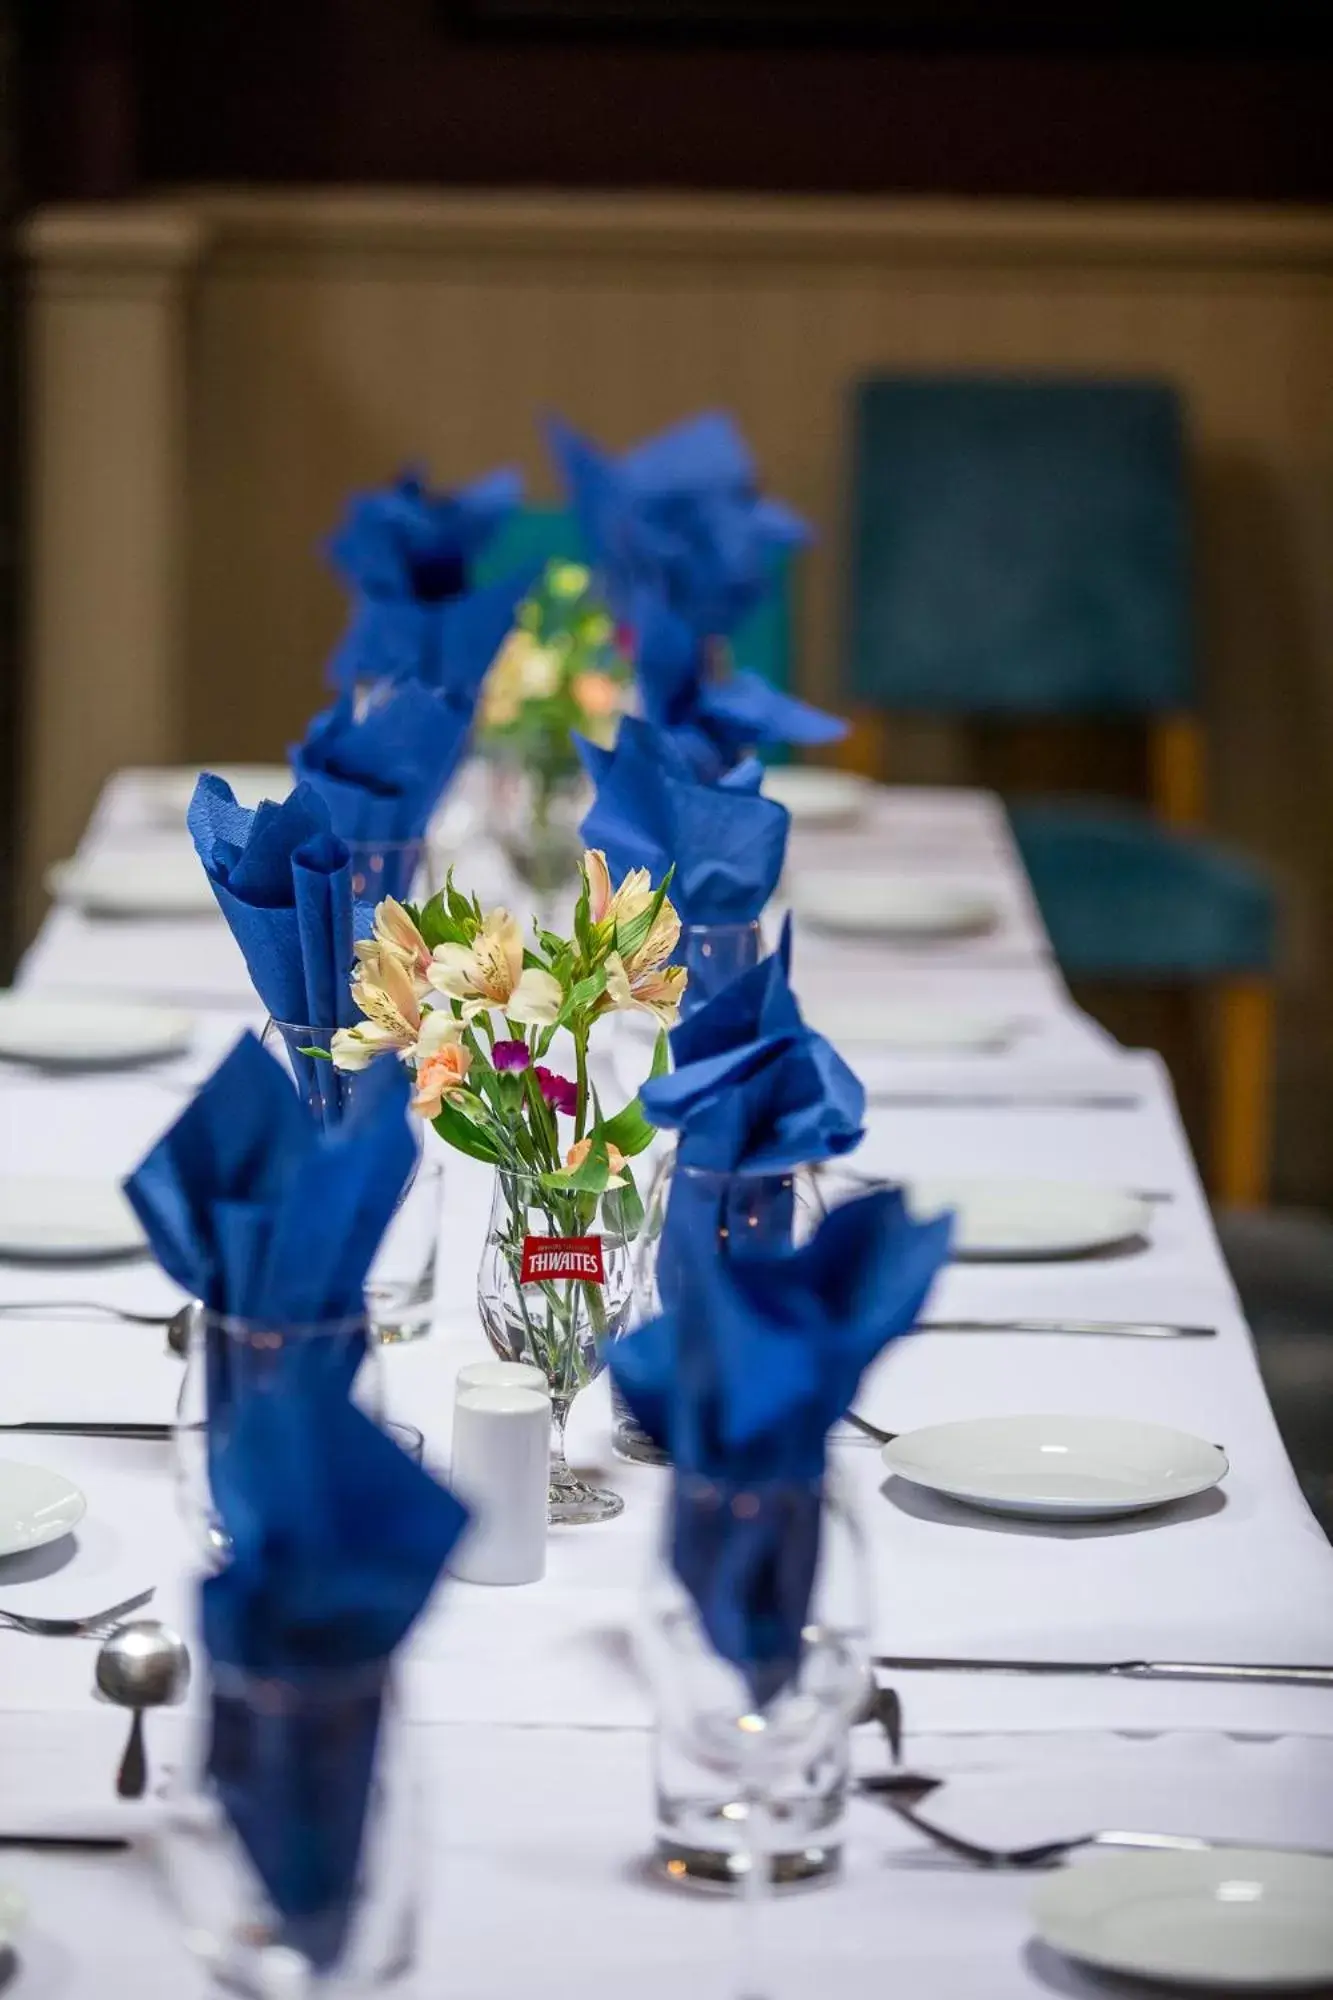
x,y
325,1091
383,868
229,1920
714,955
230,1359
400,1290
554,1289
751,1792
721,1215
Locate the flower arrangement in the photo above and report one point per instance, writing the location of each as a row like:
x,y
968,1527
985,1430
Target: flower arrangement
x,y
558,671
454,992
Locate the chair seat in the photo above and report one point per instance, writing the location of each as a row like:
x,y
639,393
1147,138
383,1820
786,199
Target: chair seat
x,y
1125,897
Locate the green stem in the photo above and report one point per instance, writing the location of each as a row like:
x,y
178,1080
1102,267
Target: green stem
x,y
581,1080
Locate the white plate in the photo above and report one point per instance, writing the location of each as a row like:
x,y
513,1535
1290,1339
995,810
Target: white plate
x,y
1236,1920
912,1030
36,1507
1065,1468
127,884
816,797
170,791
1018,1220
901,907
59,1220
88,1034
13,1909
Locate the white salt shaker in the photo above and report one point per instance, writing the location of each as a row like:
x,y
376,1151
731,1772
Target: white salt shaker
x,y
503,1375
501,1469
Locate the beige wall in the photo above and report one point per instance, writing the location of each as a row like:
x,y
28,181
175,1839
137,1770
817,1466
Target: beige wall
x,y
211,376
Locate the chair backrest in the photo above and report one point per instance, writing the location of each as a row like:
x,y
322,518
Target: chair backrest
x,y
543,534
1019,546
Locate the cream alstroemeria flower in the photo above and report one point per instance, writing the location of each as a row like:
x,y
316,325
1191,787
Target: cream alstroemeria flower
x,y
396,932
650,989
386,992
488,974
629,900
356,1048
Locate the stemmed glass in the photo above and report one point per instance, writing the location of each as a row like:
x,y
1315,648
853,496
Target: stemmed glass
x,y
753,1750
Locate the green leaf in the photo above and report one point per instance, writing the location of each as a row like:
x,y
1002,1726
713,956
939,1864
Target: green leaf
x,y
661,1055
459,1131
583,929
323,1054
629,1130
591,1177
582,995
622,1209
438,926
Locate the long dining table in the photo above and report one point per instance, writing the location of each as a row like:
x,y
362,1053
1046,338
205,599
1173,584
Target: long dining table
x,y
533,1722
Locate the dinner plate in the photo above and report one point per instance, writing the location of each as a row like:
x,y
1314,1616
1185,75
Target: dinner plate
x,y
1233,1920
13,1909
63,1220
170,790
900,1027
1021,1221
904,908
95,1033
127,884
1060,1467
36,1507
816,797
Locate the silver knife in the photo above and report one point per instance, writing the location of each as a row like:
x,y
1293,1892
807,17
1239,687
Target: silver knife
x,y
143,1433
1008,1100
1130,1670
1142,1329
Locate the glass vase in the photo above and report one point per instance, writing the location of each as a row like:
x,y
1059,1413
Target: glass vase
x,y
752,1754
292,1835
230,1359
534,816
325,1091
554,1289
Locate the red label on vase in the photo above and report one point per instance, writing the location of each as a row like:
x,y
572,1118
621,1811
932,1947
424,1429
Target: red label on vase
x,y
548,1257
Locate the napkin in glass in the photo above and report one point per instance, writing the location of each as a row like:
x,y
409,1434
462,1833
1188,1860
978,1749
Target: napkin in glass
x,y
381,769
314,1602
725,840
404,541
283,881
740,1381
682,512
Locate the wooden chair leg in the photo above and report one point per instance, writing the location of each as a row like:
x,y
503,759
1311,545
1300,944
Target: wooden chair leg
x,y
1242,1093
865,746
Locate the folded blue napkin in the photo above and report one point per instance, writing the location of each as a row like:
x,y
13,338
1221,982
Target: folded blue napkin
x,y
725,842
382,769
715,712
449,645
752,1088
682,513
403,541
740,1382
256,1211
314,1602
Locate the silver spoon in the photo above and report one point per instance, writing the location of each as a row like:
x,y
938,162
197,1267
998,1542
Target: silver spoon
x,y
142,1665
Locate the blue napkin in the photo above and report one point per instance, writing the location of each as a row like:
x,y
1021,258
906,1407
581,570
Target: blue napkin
x,y
449,645
682,513
314,1602
403,541
752,1088
383,770
715,712
725,842
740,1382
256,1211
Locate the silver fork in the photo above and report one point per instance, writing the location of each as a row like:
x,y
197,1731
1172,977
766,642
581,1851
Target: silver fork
x,y
1043,1854
74,1628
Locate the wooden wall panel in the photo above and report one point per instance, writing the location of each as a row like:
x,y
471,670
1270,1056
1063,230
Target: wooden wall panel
x,y
331,337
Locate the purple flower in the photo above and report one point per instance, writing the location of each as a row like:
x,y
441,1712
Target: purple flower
x,y
511,1055
557,1090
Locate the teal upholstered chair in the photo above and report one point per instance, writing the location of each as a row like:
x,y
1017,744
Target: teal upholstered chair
x,y
540,534
1021,549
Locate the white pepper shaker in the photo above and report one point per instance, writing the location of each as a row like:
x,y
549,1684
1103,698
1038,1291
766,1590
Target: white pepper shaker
x,y
503,1375
501,1470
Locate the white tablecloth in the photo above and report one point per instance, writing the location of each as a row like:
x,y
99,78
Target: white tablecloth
x,y
529,1697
